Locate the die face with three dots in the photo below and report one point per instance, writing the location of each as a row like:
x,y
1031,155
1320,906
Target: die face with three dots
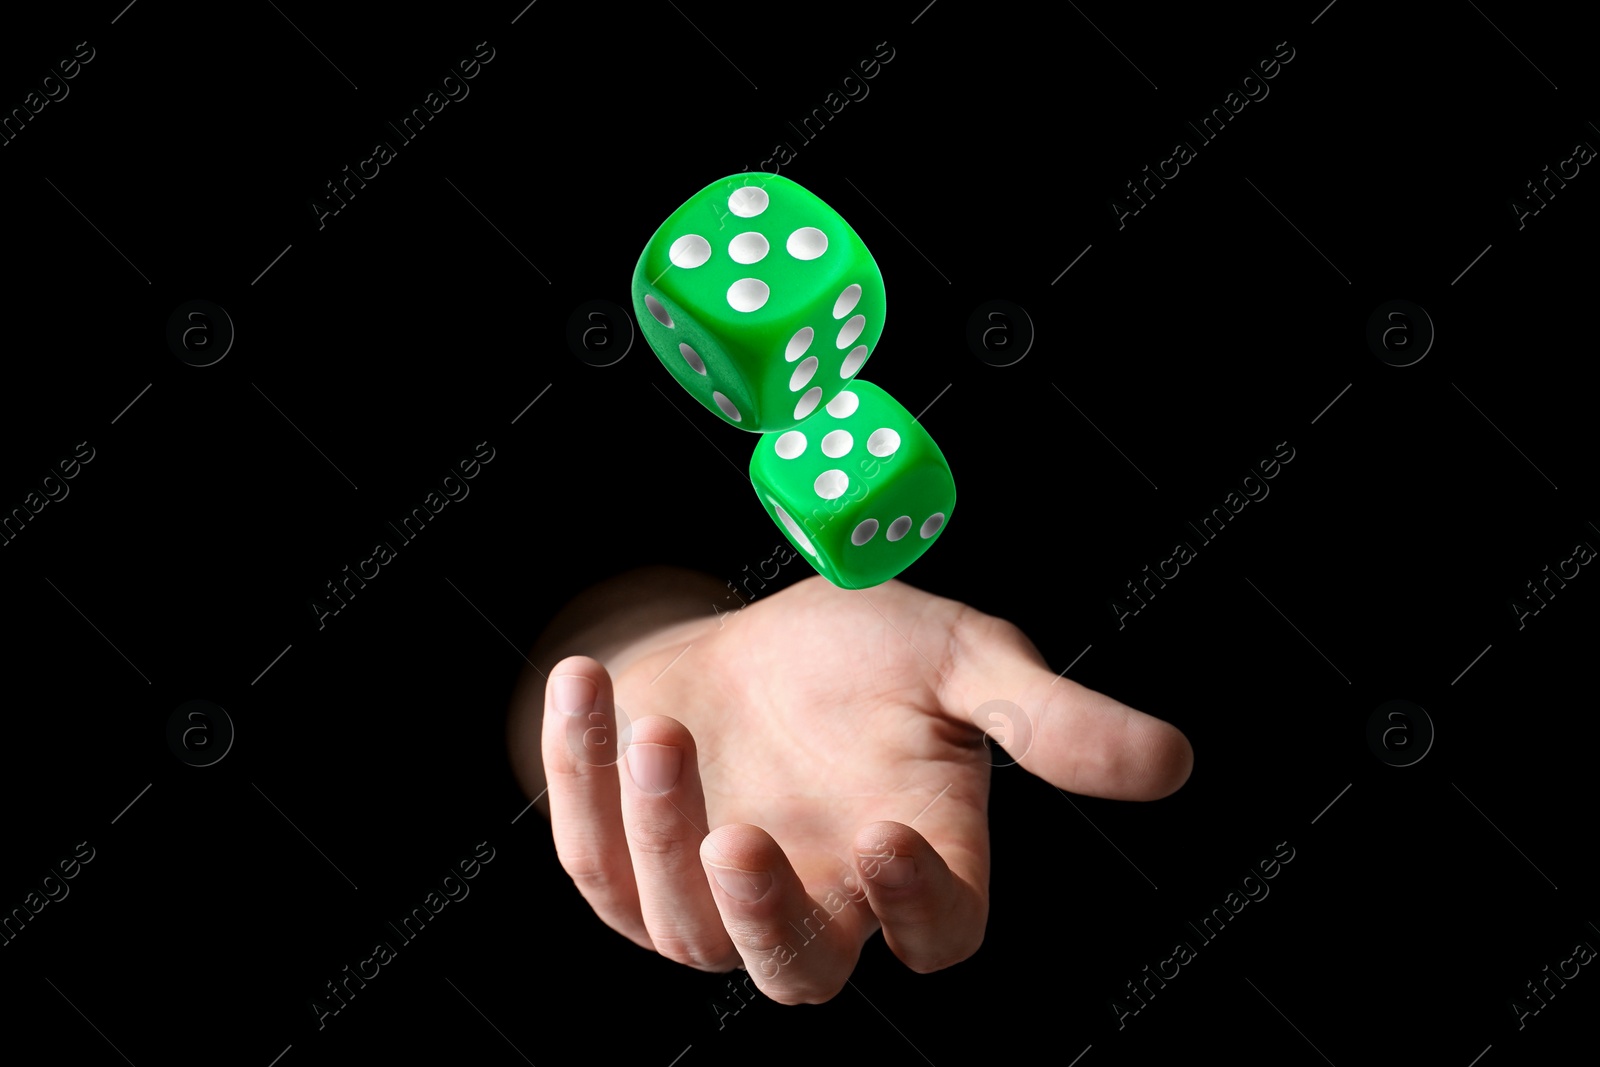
x,y
860,488
760,300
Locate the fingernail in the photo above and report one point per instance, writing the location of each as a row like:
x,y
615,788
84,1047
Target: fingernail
x,y
655,767
890,873
572,694
744,886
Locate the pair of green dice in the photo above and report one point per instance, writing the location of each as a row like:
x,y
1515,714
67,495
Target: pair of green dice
x,y
764,304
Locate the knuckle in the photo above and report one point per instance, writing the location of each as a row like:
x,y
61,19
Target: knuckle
x,y
697,953
588,871
656,842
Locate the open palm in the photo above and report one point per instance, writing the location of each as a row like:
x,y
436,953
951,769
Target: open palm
x,y
769,788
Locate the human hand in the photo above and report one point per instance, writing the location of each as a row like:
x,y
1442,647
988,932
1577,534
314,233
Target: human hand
x,y
807,771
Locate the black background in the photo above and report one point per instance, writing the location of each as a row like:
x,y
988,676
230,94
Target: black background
x,y
382,347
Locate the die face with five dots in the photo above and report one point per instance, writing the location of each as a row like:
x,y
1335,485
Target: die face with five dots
x,y
860,488
760,300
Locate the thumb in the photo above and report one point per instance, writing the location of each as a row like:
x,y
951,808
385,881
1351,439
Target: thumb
x,y
1073,737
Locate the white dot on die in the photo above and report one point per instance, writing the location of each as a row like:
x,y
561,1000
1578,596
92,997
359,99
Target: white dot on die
x,y
808,403
727,406
658,311
794,529
748,202
807,242
799,343
802,374
844,405
899,527
693,357
689,251
847,301
748,247
931,526
790,445
851,330
883,442
830,485
748,294
863,533
836,443
853,361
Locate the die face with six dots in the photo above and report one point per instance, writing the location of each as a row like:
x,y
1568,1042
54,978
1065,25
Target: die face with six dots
x,y
760,300
860,488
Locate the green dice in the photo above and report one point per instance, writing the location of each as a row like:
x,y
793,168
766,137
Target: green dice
x,y
859,488
760,300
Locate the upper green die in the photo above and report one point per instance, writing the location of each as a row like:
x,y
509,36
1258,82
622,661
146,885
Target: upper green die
x,y
760,299
860,488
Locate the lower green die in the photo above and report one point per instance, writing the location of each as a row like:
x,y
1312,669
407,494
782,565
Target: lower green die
x,y
859,488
